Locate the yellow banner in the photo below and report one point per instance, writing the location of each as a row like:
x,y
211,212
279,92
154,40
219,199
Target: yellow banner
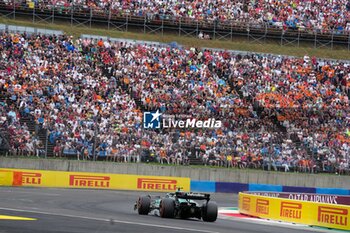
x,y
304,212
31,5
5,178
59,179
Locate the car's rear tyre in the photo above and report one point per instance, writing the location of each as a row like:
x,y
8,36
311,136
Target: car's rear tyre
x,y
210,212
167,208
144,205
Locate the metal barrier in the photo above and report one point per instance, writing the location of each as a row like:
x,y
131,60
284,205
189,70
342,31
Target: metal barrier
x,y
28,30
241,52
122,40
222,30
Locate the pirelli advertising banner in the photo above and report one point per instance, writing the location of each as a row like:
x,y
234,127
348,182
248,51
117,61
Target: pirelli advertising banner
x,y
295,211
59,179
314,197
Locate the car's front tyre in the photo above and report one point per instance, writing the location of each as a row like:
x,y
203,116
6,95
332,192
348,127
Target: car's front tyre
x,y
144,205
210,212
167,208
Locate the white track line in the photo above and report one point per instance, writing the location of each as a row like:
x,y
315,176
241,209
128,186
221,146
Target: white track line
x,y
110,220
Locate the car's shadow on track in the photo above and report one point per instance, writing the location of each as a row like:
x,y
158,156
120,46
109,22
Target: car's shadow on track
x,y
182,219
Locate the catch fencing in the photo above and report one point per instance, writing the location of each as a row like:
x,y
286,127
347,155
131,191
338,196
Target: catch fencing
x,y
217,30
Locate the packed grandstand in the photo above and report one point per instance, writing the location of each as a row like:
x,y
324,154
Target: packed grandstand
x,y
85,98
295,109
312,15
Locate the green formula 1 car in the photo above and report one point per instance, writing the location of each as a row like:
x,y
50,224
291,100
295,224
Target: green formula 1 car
x,y
179,205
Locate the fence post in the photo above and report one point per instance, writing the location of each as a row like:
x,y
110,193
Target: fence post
x,y
315,42
90,16
71,16
179,26
94,143
270,160
214,30
332,39
46,142
53,15
14,9
109,18
34,13
282,33
127,22
248,30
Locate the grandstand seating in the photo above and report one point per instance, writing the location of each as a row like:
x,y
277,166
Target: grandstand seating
x,y
292,111
311,15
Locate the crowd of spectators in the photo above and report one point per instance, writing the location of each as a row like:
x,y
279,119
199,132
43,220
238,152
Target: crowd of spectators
x,y
287,113
13,134
319,15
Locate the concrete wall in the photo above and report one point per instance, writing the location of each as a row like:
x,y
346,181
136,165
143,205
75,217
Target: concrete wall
x,y
205,174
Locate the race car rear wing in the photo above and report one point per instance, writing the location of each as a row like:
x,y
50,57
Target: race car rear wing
x,y
193,196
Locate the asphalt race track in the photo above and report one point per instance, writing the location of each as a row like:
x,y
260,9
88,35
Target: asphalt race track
x,y
102,211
